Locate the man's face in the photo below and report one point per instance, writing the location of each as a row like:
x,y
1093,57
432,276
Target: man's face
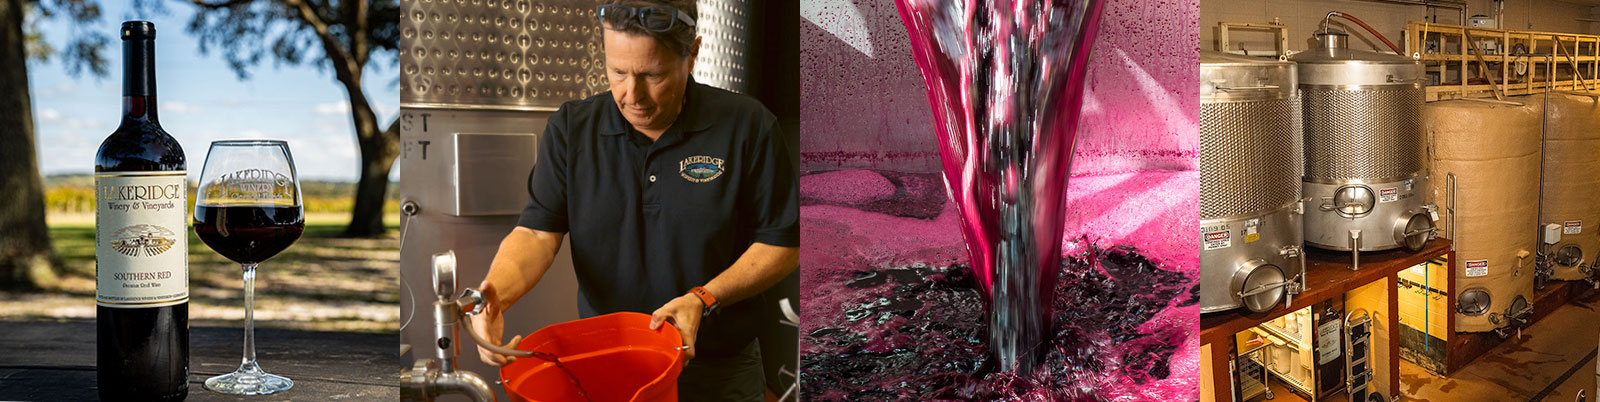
x,y
647,79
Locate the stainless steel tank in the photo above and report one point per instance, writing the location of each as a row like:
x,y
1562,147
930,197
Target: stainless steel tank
x,y
1365,174
1250,209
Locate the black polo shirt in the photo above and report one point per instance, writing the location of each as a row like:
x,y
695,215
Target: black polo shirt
x,y
650,220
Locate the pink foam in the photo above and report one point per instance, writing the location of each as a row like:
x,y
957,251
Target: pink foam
x,y
848,186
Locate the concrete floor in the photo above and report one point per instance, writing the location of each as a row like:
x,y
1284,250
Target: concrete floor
x,y
1553,361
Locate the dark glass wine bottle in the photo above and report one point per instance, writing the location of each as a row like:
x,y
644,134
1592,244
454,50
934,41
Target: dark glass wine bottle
x,y
142,243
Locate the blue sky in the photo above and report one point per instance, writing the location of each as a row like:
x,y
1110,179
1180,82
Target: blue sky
x,y
202,101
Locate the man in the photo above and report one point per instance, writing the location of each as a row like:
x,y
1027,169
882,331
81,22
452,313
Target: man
x,y
679,200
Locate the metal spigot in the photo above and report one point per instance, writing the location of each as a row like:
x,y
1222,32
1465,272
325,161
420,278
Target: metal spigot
x,y
432,377
1590,274
1355,249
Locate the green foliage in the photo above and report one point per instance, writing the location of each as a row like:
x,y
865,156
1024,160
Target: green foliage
x,y
85,50
246,32
74,194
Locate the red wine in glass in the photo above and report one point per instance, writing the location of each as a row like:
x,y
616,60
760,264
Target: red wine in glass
x,y
248,234
248,209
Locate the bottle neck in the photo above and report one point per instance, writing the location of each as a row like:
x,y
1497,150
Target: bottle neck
x,y
139,79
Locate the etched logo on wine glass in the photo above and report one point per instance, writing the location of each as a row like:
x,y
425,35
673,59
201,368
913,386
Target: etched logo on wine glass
x,y
257,186
143,240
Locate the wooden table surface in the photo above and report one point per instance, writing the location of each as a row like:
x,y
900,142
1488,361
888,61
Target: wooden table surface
x,y
1328,274
55,361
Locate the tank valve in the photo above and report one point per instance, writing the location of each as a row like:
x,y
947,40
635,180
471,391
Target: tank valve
x,y
1355,249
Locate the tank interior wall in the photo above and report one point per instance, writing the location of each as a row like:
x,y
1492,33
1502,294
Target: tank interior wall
x,y
864,105
1304,17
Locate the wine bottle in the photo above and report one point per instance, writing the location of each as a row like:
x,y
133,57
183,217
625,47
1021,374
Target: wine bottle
x,y
141,242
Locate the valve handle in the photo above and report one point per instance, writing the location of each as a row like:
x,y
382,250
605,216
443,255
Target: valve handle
x,y
471,297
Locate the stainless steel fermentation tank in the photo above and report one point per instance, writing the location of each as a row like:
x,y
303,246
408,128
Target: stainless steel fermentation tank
x,y
1250,209
479,79
1365,168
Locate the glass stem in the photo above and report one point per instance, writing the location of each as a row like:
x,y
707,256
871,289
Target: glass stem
x,y
249,363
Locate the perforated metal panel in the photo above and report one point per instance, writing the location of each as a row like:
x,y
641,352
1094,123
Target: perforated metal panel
x,y
500,52
1372,133
1249,157
723,28
538,54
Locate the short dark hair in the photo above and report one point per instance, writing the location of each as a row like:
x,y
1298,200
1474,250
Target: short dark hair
x,y
680,39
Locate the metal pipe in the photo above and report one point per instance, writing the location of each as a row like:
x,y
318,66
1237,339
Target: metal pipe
x,y
1450,198
464,383
1327,20
428,380
1355,249
1450,4
1544,129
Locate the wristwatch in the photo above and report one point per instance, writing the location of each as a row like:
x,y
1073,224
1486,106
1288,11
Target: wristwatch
x,y
705,298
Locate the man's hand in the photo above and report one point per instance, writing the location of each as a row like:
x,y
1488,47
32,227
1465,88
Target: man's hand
x,y
491,324
684,313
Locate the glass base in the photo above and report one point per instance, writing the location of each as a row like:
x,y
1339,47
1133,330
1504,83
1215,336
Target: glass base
x,y
248,380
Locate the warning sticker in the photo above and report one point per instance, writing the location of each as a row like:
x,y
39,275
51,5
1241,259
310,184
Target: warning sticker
x,y
1217,237
1390,194
1251,227
1572,227
1477,268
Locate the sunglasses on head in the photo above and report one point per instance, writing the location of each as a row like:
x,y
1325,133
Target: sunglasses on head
x,y
653,18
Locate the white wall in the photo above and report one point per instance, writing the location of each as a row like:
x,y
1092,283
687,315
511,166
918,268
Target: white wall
x,y
1305,17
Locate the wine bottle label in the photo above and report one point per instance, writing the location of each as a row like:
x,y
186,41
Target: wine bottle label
x,y
141,239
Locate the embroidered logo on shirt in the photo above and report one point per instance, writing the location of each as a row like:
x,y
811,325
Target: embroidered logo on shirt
x,y
700,168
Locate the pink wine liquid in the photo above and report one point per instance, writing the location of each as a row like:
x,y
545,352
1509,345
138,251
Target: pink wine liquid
x,y
1005,79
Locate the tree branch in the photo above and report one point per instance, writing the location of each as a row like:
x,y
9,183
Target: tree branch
x,y
358,38
213,6
342,62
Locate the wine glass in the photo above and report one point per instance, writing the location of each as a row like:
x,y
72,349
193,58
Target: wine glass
x,y
248,209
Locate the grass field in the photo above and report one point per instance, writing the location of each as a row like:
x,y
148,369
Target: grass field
x,y
323,282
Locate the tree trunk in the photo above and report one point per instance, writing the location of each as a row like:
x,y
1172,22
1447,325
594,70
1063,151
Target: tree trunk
x,y
26,259
378,152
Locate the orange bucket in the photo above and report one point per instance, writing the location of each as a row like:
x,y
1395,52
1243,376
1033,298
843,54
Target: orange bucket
x,y
615,356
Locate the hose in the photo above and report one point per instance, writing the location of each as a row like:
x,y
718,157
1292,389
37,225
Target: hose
x,y
1363,25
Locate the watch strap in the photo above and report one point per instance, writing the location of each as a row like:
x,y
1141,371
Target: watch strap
x,y
706,298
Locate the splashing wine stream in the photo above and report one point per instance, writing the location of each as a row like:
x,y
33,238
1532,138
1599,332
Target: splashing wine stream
x,y
1005,78
575,383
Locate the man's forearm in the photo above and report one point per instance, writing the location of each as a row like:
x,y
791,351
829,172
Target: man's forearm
x,y
760,267
522,260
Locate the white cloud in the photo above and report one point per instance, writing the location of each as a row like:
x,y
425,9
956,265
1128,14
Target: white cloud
x,y
328,109
61,89
179,107
49,115
76,124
